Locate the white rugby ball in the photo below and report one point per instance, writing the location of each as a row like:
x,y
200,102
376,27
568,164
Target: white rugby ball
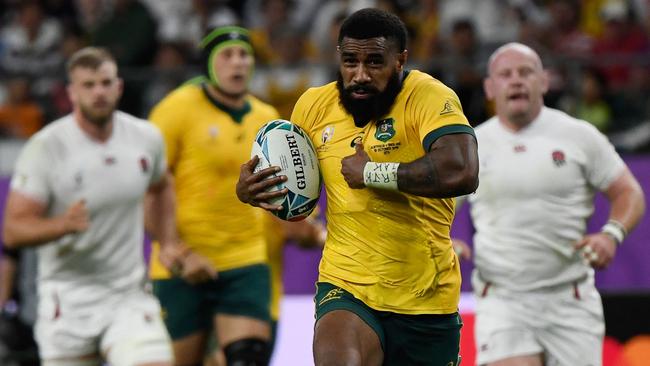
x,y
284,144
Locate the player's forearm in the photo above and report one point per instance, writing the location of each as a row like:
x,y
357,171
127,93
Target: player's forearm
x,y
7,275
160,213
448,170
32,231
628,207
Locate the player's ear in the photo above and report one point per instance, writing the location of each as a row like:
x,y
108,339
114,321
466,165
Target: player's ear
x,y
120,86
488,87
401,58
545,81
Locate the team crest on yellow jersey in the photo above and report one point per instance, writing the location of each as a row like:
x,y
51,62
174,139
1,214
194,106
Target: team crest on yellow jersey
x,y
385,130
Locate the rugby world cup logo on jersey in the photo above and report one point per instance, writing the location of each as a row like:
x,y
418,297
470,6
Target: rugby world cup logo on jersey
x,y
558,158
327,134
385,129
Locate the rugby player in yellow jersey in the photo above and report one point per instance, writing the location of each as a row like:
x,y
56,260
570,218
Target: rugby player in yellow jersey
x,y
394,149
208,128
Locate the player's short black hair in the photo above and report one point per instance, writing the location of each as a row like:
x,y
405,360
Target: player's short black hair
x,y
371,23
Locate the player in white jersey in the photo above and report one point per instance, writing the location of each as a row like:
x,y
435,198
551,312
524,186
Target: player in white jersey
x,y
539,169
77,194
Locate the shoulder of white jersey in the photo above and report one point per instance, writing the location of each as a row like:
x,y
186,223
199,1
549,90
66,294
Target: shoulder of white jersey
x,y
54,129
488,125
142,126
566,123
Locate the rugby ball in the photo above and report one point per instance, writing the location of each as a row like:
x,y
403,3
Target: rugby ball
x,y
284,144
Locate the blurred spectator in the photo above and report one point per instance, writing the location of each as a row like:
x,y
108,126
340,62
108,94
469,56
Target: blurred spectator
x,y
324,15
460,67
282,84
424,19
276,15
129,33
31,45
563,35
169,71
621,44
591,102
496,21
20,116
91,13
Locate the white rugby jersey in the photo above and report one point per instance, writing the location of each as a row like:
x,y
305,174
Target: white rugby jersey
x,y
535,196
61,165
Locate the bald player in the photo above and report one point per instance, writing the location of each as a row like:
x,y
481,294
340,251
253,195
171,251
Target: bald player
x,y
539,169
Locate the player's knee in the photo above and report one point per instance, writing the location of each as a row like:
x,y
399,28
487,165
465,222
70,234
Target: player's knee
x,y
248,352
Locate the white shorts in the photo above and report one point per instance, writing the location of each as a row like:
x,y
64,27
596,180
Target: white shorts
x,y
126,330
564,324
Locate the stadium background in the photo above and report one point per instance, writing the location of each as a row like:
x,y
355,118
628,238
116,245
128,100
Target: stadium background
x,y
597,53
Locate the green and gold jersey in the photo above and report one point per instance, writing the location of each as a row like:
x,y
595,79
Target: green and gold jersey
x,y
206,145
391,250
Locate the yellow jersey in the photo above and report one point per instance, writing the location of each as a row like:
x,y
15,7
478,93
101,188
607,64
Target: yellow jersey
x,y
391,250
206,145
275,239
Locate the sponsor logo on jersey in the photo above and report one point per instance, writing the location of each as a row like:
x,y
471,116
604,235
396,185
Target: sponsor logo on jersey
x,y
520,148
109,160
385,129
558,158
328,133
446,109
144,164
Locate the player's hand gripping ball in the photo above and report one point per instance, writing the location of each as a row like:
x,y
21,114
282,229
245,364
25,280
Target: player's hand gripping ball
x,y
283,144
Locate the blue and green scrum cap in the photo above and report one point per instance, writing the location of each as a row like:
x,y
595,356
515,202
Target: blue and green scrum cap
x,y
219,38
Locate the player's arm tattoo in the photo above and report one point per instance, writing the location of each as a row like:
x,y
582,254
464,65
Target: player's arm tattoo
x,y
449,169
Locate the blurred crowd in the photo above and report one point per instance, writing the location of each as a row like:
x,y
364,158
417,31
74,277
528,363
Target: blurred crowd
x,y
597,51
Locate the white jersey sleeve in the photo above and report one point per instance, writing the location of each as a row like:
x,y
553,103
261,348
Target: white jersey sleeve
x,y
31,176
604,164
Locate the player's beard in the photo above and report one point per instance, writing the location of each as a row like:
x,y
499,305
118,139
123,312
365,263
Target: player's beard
x,y
99,119
372,108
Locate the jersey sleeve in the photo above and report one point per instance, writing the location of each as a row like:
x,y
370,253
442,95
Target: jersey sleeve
x,y
159,158
31,173
437,111
299,113
604,164
169,118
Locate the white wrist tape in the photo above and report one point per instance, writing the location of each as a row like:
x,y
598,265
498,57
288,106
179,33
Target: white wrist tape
x,y
380,175
616,230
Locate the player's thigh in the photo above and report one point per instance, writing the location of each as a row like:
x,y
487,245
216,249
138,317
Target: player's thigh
x,y
503,328
577,329
426,340
347,331
136,334
240,304
185,310
69,335
531,360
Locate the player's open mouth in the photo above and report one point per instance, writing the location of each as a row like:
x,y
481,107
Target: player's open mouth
x,y
518,96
